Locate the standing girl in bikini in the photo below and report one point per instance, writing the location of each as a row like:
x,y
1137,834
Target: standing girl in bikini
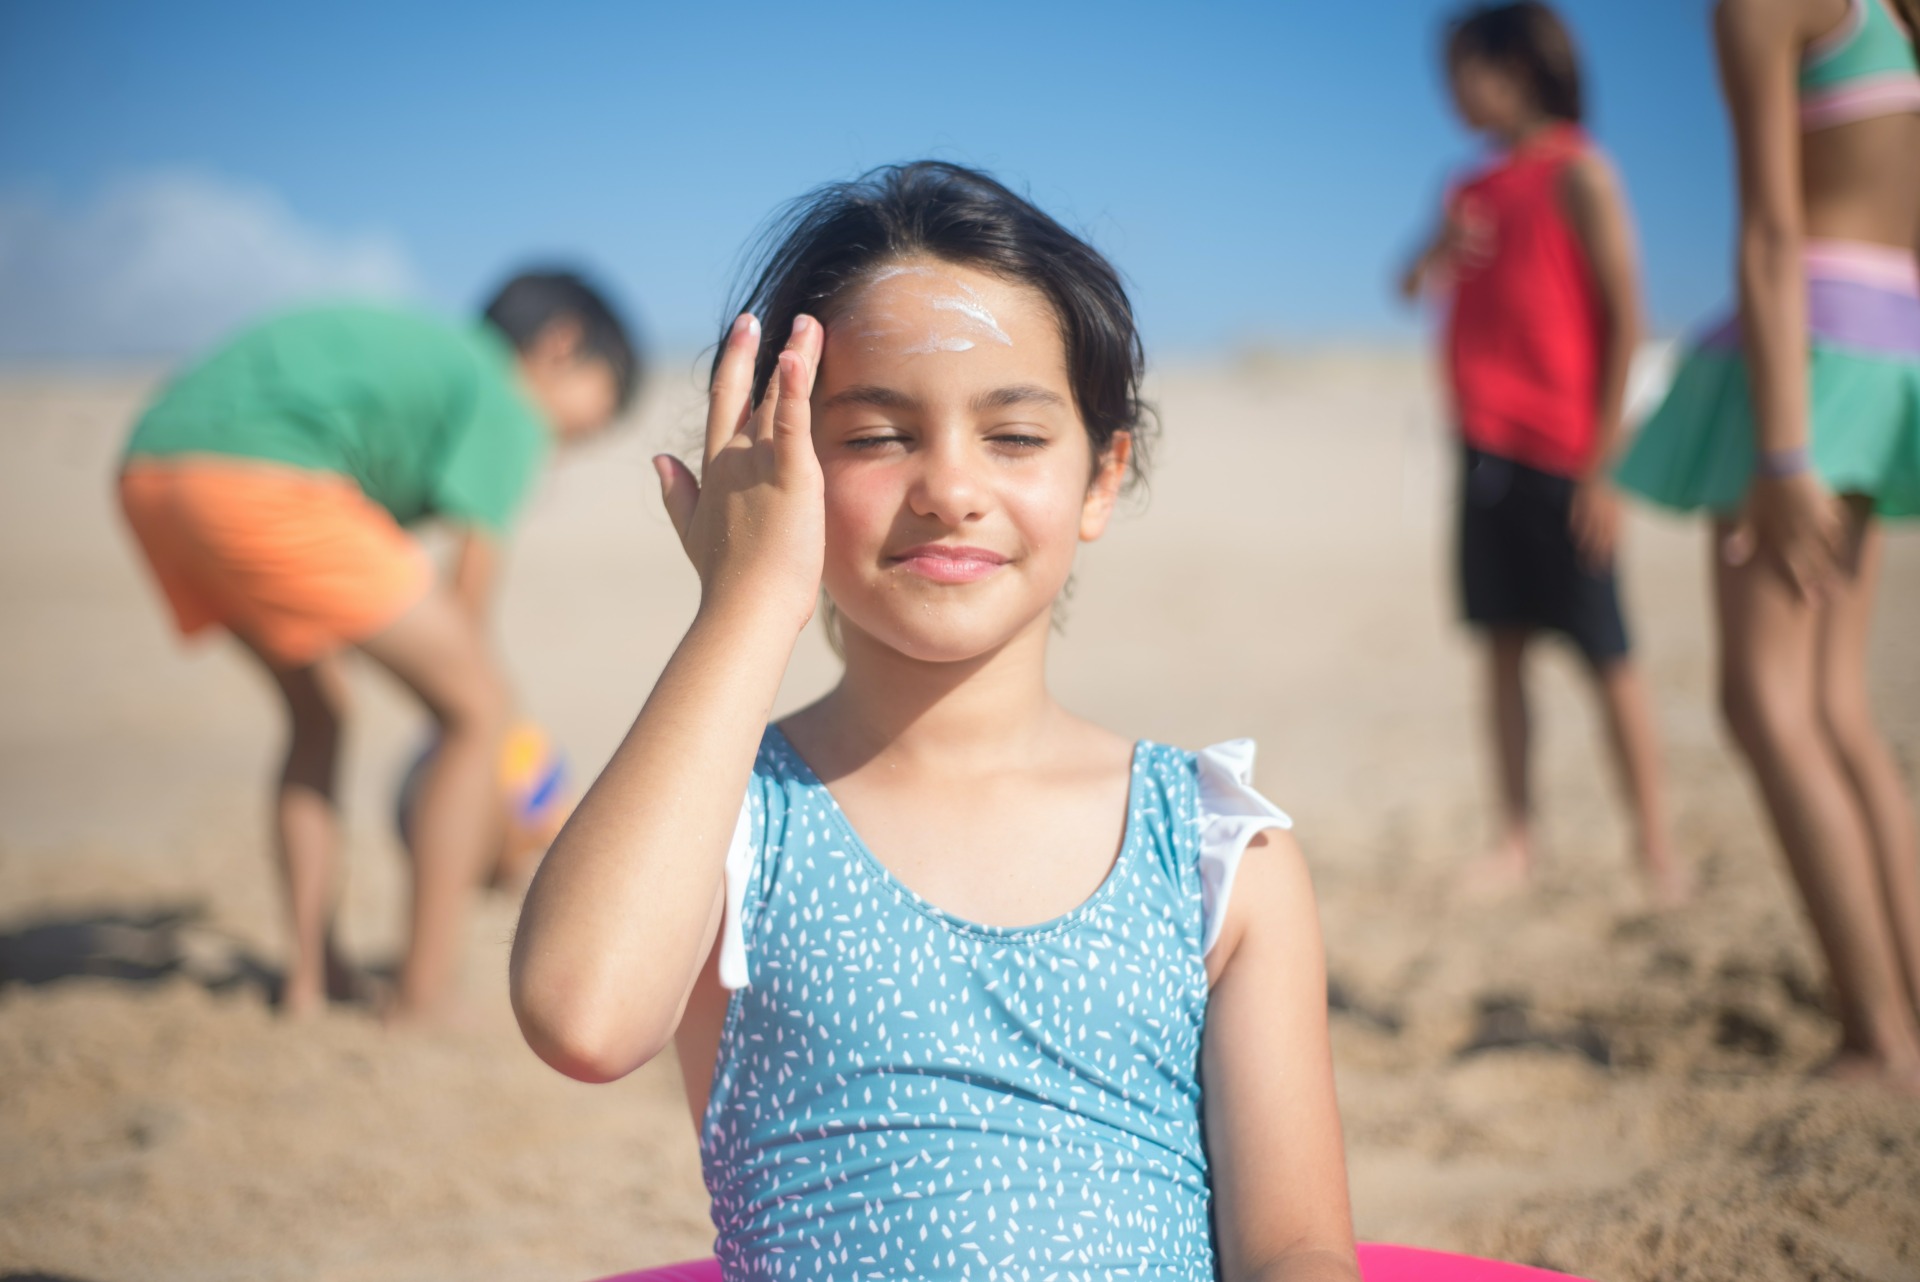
x,y
945,965
1796,424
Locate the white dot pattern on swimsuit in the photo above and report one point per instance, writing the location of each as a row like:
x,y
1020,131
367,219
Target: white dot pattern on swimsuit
x,y
901,1093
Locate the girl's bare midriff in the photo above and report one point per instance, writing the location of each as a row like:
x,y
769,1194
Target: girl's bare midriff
x,y
1861,181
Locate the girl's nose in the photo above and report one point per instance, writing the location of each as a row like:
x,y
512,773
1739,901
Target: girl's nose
x,y
949,487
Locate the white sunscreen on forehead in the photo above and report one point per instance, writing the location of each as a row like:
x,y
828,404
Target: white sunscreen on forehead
x,y
959,318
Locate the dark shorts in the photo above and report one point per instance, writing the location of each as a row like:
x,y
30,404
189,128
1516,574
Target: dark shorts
x,y
1519,567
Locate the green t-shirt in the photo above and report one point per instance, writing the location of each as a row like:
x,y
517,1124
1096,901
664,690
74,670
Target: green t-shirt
x,y
426,416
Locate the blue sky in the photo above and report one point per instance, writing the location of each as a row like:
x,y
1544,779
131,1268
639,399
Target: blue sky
x,y
1255,169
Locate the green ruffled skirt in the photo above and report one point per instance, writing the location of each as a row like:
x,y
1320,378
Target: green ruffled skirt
x,y
1697,450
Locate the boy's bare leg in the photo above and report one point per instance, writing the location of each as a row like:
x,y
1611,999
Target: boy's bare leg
x,y
1510,863
1847,710
1770,641
438,651
1635,737
306,824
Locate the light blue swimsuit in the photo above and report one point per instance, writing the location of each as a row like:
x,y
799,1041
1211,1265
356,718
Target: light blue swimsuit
x,y
902,1093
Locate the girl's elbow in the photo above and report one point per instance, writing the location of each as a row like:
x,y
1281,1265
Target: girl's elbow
x,y
583,1039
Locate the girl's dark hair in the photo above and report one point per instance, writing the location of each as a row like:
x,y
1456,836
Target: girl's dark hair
x,y
531,301
812,251
1528,39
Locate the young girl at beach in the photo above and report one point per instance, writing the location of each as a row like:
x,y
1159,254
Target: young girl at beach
x,y
1795,424
1535,252
946,966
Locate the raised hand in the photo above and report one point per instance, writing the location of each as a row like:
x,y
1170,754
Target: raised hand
x,y
754,524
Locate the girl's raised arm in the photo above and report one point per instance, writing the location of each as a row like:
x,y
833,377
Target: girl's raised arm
x,y
625,907
1278,1162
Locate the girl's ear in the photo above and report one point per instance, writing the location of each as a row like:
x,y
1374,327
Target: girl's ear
x,y
1097,508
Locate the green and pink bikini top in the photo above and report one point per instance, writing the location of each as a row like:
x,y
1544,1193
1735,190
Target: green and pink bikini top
x,y
1865,67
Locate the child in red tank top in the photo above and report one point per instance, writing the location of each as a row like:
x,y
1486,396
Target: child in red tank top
x,y
1535,258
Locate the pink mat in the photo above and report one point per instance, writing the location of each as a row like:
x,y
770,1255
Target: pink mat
x,y
1377,1264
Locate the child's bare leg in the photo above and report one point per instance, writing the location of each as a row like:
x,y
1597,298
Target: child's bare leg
x,y
1769,642
437,650
306,824
1635,736
1510,862
1847,711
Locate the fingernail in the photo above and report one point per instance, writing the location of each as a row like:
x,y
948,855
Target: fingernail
x,y
800,324
747,323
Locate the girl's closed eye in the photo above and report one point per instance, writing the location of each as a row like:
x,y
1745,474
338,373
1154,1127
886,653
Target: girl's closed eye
x,y
1019,441
877,440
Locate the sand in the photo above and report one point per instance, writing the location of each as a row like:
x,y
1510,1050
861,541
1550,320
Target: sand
x,y
1565,1079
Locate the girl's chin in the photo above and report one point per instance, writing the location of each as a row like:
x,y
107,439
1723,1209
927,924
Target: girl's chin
x,y
941,633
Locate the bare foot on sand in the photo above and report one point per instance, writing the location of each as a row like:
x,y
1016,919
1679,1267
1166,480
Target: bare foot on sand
x,y
1668,883
1503,872
304,996
1858,1068
446,1016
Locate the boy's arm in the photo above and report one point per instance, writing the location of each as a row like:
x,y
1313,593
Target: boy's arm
x,y
1590,193
625,907
476,571
1591,196
1278,1162
1432,254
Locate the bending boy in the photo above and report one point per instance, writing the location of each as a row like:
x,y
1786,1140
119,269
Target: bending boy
x,y
269,486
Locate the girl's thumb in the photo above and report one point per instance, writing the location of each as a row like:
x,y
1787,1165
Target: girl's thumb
x,y
1737,548
678,491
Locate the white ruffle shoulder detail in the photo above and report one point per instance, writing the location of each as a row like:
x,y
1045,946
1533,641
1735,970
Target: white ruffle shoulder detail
x,y
733,939
1231,812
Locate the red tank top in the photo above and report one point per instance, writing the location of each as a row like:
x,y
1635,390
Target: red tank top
x,y
1524,335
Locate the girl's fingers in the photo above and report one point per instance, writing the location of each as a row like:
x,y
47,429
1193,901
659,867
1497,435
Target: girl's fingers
x,y
732,383
678,490
792,416
1737,548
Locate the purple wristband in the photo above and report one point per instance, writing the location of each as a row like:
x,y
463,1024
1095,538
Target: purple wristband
x,y
1778,464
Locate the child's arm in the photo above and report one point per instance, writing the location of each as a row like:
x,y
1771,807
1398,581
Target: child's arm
x,y
1595,205
1789,511
1432,257
476,569
625,907
1273,1125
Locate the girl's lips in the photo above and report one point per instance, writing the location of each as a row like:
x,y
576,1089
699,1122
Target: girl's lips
x,y
945,563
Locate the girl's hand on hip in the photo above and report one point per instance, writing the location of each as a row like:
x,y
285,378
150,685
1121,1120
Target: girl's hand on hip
x,y
1794,525
754,523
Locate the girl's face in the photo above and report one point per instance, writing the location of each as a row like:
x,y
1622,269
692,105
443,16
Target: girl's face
x,y
1488,96
959,476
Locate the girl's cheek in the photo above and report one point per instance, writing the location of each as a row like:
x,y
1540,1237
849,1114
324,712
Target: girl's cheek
x,y
862,503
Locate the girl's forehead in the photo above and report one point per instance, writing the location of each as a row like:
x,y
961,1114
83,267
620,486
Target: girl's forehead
x,y
924,312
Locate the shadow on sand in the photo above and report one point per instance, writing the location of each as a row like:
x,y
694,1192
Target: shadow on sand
x,y
133,947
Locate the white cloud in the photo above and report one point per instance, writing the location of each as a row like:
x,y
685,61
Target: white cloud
x,y
164,263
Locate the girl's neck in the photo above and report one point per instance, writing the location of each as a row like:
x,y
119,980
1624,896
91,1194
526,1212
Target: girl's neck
x,y
1525,132
970,712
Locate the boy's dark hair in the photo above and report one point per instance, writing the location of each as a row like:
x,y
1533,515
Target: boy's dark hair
x,y
1528,39
531,301
835,236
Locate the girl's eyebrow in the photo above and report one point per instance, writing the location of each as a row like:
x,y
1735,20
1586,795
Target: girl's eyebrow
x,y
1000,398
1003,398
884,398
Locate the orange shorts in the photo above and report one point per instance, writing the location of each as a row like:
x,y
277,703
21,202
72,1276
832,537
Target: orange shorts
x,y
297,563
